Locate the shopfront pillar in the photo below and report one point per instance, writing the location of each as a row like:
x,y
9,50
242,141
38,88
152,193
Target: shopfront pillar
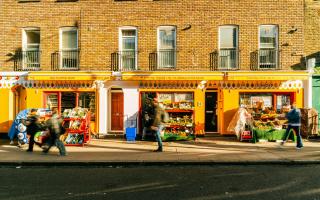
x,y
308,92
230,106
131,107
102,107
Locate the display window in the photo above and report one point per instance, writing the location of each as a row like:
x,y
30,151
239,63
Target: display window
x,y
180,108
70,100
263,115
261,101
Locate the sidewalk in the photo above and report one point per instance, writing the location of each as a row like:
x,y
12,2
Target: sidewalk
x,y
210,150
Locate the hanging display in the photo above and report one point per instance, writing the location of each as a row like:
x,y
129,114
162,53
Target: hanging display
x,y
76,121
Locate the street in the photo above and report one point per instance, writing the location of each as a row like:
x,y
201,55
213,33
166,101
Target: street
x,y
192,182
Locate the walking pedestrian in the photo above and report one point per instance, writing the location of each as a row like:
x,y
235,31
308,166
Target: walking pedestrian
x,y
33,127
55,127
157,125
294,122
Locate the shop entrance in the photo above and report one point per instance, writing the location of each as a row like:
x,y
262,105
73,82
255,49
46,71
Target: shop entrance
x,y
19,99
211,122
117,111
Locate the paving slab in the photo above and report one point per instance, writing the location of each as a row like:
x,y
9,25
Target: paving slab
x,y
211,150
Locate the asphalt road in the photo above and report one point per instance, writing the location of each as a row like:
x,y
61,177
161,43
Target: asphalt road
x,y
270,182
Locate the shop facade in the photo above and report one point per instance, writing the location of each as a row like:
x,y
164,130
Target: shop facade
x,y
52,90
202,102
125,96
207,100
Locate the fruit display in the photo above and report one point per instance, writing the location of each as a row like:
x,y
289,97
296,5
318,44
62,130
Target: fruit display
x,y
268,120
177,105
180,108
75,113
177,120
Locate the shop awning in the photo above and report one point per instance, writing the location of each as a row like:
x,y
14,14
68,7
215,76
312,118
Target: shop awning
x,y
265,75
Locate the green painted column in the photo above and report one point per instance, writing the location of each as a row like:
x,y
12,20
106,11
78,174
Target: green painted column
x,y
316,93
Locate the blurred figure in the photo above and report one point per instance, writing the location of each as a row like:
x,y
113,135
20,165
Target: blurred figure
x,y
157,125
55,127
33,127
294,122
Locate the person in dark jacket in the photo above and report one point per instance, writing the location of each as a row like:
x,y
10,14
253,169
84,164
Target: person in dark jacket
x,y
55,127
33,127
294,122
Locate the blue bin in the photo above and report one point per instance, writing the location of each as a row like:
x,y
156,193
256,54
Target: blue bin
x,y
131,134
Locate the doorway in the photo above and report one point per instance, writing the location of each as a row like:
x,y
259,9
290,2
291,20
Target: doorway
x,y
211,106
19,99
117,111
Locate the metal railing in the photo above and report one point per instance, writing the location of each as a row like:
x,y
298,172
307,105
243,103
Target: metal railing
x,y
65,60
163,60
268,59
224,59
28,60
124,61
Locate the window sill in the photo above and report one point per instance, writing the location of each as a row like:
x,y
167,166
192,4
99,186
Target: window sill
x,y
28,1
66,0
124,0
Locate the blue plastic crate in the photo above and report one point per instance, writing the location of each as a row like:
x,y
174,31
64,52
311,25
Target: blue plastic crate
x,y
131,134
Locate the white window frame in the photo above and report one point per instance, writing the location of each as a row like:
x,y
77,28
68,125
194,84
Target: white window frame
x,y
25,44
276,48
61,30
230,48
277,36
175,43
25,38
136,44
237,35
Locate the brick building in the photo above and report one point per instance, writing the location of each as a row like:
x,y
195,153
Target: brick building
x,y
215,53
312,50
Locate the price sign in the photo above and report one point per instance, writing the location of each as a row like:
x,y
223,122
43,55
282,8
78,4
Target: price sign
x,y
165,97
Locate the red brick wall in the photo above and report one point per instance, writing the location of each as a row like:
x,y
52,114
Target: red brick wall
x,y
99,21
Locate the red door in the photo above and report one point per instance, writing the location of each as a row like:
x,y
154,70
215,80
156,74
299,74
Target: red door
x,y
117,111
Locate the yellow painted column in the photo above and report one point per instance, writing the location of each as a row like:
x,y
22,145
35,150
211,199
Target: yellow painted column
x,y
299,98
5,118
199,111
34,98
230,107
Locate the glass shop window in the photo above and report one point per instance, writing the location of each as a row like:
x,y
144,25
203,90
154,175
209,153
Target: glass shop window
x,y
70,100
87,100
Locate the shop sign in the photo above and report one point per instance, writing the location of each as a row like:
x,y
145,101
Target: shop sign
x,y
292,84
71,78
268,76
168,78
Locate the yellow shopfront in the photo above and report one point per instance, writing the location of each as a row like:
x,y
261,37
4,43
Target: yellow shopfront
x,y
184,97
246,89
65,90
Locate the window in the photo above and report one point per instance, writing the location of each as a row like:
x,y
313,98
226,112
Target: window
x,y
166,47
268,50
31,48
273,101
70,100
228,47
69,52
128,48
